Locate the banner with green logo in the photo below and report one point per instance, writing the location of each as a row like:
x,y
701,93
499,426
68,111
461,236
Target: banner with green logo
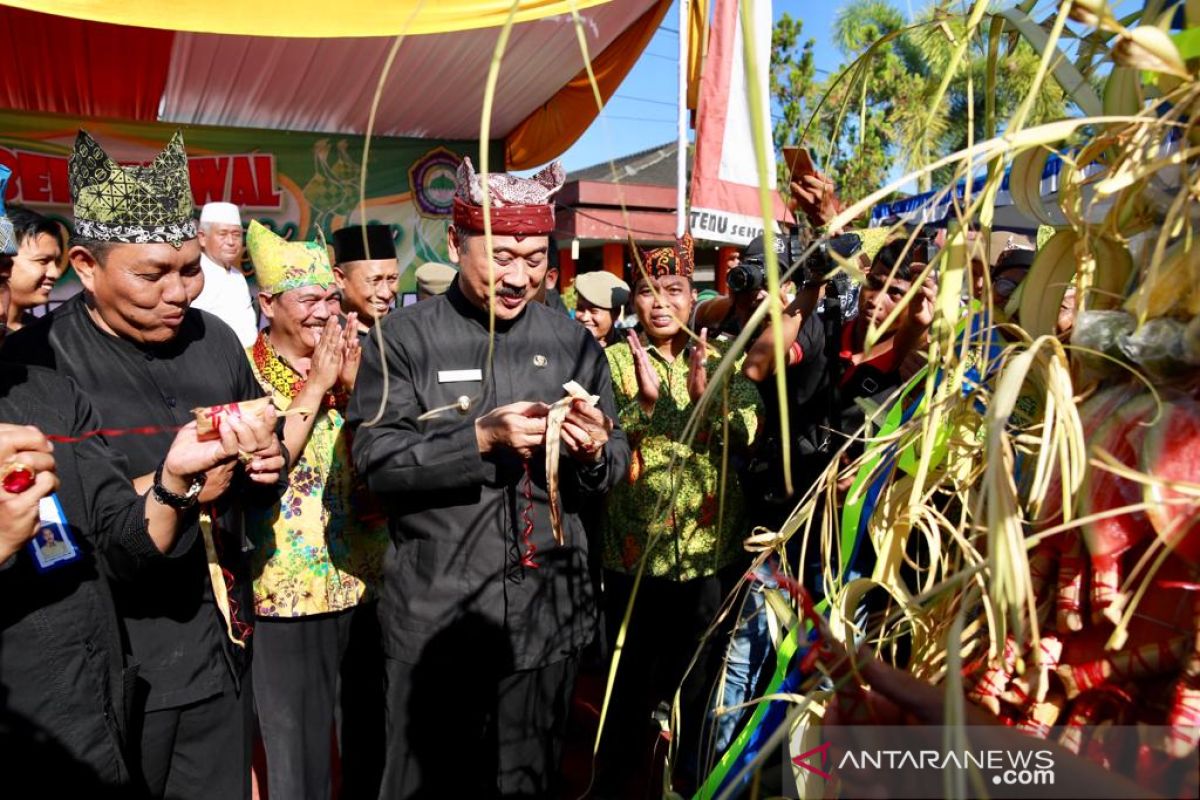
x,y
294,183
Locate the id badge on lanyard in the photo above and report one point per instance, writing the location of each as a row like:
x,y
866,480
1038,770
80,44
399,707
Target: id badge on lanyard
x,y
52,546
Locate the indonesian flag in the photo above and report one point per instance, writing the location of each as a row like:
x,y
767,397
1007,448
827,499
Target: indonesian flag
x,y
725,202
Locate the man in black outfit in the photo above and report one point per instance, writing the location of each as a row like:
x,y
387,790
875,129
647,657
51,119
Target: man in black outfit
x,y
131,343
829,371
484,615
64,683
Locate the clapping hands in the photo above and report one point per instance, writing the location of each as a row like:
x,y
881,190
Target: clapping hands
x,y
647,378
337,357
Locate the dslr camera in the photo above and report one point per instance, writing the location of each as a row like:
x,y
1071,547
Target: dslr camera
x,y
751,274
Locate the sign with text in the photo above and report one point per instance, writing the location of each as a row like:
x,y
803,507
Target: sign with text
x,y
726,205
294,183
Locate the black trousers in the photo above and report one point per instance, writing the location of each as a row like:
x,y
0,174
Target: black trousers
x,y
200,751
468,730
314,676
669,619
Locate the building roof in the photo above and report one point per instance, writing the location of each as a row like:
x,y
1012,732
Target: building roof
x,y
653,167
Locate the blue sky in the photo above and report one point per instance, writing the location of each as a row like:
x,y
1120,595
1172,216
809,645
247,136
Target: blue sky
x,y
642,114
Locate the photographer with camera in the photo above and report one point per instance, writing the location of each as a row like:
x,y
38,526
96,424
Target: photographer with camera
x,y
813,195
806,311
815,200
829,371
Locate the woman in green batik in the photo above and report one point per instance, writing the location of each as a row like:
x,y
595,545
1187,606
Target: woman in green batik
x,y
681,509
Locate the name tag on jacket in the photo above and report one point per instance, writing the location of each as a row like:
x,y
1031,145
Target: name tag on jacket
x,y
459,375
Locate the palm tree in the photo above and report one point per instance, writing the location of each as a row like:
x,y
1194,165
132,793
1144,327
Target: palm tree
x,y
900,83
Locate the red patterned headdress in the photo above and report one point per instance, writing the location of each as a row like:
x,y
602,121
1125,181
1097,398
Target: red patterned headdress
x,y
678,260
519,206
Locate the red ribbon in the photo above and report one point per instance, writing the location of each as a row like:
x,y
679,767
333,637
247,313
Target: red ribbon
x,y
19,478
527,518
108,433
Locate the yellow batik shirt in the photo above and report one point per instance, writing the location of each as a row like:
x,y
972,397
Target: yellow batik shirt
x,y
697,533
320,549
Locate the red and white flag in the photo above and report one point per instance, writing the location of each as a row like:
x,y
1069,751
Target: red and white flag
x,y
725,202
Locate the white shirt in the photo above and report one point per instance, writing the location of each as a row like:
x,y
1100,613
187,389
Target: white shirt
x,y
227,295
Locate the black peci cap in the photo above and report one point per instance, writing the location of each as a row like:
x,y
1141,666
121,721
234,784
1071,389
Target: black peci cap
x,y
349,244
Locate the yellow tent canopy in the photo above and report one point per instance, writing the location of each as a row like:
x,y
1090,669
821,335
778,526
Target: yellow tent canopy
x,y
309,66
307,18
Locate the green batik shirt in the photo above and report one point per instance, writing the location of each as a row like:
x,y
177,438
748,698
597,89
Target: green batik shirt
x,y
695,536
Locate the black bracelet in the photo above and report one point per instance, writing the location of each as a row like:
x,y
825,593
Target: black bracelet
x,y
179,502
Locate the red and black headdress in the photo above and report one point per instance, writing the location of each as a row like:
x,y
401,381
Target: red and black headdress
x,y
679,259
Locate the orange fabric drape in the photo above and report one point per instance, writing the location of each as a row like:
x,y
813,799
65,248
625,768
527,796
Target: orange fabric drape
x,y
549,131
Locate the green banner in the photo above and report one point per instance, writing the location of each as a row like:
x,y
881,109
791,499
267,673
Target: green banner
x,y
294,183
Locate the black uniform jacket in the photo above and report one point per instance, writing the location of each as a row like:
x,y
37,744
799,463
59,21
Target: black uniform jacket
x,y
458,519
173,627
64,687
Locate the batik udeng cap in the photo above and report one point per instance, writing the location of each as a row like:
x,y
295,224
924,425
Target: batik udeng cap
x,y
679,259
138,204
518,206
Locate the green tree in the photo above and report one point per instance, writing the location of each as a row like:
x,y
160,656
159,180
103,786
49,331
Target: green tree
x,y
791,83
886,109
897,84
932,43
856,155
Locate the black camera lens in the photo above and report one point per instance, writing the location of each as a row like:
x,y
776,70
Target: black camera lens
x,y
821,262
737,279
746,278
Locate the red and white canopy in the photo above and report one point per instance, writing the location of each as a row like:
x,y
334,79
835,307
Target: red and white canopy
x,y
434,88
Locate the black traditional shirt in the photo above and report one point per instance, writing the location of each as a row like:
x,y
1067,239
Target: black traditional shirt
x,y
64,687
819,419
457,518
174,629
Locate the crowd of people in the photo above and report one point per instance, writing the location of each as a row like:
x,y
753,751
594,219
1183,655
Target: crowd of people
x,y
365,575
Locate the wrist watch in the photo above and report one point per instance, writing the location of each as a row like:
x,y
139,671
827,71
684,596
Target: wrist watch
x,y
179,502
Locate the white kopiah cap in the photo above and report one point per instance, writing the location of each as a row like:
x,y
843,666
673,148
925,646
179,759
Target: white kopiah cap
x,y
221,214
